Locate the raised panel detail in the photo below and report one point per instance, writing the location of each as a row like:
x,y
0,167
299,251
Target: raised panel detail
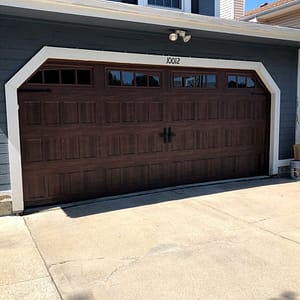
x,y
32,111
54,185
88,112
128,144
142,112
32,150
70,112
112,112
135,177
72,183
52,113
52,148
88,146
156,112
94,181
156,172
34,186
128,112
71,147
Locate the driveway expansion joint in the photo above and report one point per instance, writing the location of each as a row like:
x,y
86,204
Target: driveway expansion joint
x,y
252,224
44,262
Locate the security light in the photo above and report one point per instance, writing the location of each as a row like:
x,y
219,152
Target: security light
x,y
173,36
187,38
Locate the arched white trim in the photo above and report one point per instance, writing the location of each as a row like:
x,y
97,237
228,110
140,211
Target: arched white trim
x,y
46,53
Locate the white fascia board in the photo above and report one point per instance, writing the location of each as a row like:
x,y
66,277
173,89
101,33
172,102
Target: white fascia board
x,y
147,15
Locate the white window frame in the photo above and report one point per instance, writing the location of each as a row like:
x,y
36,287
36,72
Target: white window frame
x,y
186,5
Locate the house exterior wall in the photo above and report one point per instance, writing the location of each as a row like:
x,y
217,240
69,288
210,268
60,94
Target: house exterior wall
x,y
23,38
201,7
232,9
226,9
239,9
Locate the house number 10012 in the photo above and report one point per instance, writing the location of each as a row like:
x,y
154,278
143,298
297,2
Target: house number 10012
x,y
173,60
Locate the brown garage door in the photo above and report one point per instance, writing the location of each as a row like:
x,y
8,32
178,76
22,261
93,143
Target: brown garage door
x,y
91,130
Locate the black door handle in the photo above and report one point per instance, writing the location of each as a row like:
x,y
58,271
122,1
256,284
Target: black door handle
x,y
167,134
164,135
170,135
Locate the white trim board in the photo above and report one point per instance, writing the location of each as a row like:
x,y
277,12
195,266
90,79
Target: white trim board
x,y
46,53
101,10
297,137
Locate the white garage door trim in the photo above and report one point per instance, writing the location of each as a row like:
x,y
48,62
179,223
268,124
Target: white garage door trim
x,y
46,53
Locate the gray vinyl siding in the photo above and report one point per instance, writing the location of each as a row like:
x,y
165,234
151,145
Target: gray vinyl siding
x,y
24,38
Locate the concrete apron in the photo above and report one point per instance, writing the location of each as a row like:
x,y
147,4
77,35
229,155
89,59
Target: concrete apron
x,y
227,241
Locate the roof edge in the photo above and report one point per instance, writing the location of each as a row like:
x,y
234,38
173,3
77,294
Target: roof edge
x,y
274,11
146,15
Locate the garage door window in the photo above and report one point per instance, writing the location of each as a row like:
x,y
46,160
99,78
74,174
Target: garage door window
x,y
240,81
64,76
195,81
124,78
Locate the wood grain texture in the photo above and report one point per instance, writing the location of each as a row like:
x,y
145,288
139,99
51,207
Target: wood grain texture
x,y
83,142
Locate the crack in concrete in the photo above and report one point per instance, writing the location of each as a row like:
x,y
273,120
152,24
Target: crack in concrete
x,y
22,281
250,223
74,260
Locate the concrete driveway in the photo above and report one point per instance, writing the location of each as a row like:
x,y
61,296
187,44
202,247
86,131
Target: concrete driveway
x,y
225,241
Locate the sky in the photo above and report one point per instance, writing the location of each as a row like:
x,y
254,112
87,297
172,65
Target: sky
x,y
250,4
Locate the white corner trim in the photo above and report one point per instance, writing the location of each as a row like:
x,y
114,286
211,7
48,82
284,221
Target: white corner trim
x,y
297,137
45,53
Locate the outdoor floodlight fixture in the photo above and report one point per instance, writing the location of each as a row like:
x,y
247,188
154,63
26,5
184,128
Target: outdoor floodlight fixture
x,y
173,36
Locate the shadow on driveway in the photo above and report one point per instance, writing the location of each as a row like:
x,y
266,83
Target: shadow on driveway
x,y
288,295
106,204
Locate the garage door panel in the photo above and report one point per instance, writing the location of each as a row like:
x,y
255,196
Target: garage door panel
x,y
54,186
97,140
142,112
213,110
70,112
31,114
183,111
202,110
35,186
32,150
87,113
88,146
72,183
117,112
52,113
94,181
52,148
71,148
112,112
